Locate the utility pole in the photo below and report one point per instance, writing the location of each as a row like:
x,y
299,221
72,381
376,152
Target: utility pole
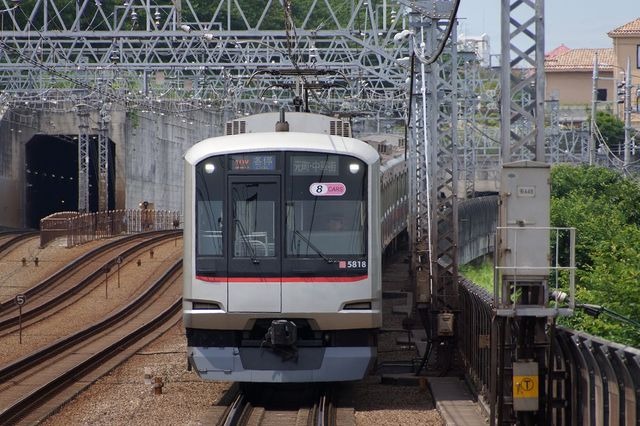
x,y
594,104
627,116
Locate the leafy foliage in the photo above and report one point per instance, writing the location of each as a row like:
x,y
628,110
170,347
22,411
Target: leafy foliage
x,y
482,274
603,207
611,127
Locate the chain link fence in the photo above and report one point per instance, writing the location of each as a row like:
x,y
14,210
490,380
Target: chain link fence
x,y
75,228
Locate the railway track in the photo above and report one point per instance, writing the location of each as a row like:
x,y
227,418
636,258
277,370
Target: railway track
x,y
33,386
274,408
9,239
65,286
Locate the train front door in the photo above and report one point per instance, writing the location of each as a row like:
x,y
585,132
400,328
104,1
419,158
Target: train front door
x,y
254,267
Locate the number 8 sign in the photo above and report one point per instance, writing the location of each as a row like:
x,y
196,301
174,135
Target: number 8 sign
x,y
327,189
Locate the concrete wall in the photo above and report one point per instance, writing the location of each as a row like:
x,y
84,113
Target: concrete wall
x,y
16,128
149,149
153,155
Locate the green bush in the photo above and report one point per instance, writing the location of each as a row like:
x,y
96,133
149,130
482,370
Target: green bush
x,y
604,207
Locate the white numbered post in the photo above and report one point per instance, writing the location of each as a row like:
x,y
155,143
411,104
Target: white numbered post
x,y
20,300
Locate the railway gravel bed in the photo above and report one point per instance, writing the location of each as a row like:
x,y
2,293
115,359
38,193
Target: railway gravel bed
x,y
35,378
122,397
16,278
94,303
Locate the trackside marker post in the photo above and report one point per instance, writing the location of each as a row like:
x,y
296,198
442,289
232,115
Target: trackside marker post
x,y
20,300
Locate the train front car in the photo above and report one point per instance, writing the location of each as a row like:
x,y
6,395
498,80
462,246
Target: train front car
x,y
282,256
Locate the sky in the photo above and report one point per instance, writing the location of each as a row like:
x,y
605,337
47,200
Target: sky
x,y
574,23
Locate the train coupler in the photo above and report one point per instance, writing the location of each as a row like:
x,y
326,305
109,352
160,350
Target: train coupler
x,y
282,336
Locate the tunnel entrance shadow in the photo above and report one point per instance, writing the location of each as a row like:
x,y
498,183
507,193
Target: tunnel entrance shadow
x,y
52,176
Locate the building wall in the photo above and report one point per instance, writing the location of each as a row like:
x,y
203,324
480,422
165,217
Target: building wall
x,y
627,48
576,88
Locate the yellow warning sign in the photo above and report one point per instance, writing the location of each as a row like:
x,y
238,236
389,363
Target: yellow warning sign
x,y
525,386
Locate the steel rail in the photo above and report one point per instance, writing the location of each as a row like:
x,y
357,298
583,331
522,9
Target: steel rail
x,y
237,411
28,402
8,305
17,367
18,236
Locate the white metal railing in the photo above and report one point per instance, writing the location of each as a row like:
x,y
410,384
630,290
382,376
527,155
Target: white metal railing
x,y
513,266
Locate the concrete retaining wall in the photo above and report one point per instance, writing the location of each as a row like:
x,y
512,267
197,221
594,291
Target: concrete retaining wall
x,y
148,160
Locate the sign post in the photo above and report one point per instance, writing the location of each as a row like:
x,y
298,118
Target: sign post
x,y
119,262
20,300
106,281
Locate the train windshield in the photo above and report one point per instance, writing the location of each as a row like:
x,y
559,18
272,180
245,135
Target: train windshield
x,y
282,213
326,212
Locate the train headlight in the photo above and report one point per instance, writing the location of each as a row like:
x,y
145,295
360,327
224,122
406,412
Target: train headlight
x,y
354,168
209,168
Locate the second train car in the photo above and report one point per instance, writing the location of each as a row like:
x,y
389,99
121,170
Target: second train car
x,y
282,251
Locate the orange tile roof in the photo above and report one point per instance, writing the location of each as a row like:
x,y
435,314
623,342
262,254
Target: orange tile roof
x,y
629,29
580,60
557,51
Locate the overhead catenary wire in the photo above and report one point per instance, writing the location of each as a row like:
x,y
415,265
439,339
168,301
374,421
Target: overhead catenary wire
x,y
431,58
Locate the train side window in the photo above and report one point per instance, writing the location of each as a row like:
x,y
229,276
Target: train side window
x,y
210,228
210,207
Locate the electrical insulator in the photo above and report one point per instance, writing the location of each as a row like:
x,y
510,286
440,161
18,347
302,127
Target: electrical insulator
x,y
620,92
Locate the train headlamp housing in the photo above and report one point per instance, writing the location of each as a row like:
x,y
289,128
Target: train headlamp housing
x,y
354,168
358,306
206,305
209,168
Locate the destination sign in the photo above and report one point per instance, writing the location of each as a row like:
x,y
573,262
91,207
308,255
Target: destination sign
x,y
312,165
253,162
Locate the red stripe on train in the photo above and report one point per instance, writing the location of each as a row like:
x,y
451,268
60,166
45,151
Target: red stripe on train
x,y
252,280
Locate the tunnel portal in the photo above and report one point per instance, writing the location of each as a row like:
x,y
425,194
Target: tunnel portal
x,y
52,176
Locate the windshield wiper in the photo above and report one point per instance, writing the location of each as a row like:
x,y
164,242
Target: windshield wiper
x,y
316,249
246,241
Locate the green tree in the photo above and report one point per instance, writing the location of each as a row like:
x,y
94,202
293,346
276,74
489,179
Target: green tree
x,y
603,207
611,127
590,182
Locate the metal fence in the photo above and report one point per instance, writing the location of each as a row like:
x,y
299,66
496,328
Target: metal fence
x,y
592,381
477,222
602,385
474,330
76,228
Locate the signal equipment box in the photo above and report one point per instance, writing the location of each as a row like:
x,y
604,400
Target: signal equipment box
x,y
524,216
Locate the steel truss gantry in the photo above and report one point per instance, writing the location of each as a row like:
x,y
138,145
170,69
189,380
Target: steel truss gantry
x,y
433,181
522,81
177,57
225,55
521,350
83,157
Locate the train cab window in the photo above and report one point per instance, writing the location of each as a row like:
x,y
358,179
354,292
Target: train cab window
x,y
254,218
325,206
210,208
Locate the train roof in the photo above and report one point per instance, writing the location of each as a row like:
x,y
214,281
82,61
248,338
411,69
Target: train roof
x,y
281,141
304,122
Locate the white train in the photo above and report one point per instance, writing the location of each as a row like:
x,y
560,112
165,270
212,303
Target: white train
x,y
282,250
